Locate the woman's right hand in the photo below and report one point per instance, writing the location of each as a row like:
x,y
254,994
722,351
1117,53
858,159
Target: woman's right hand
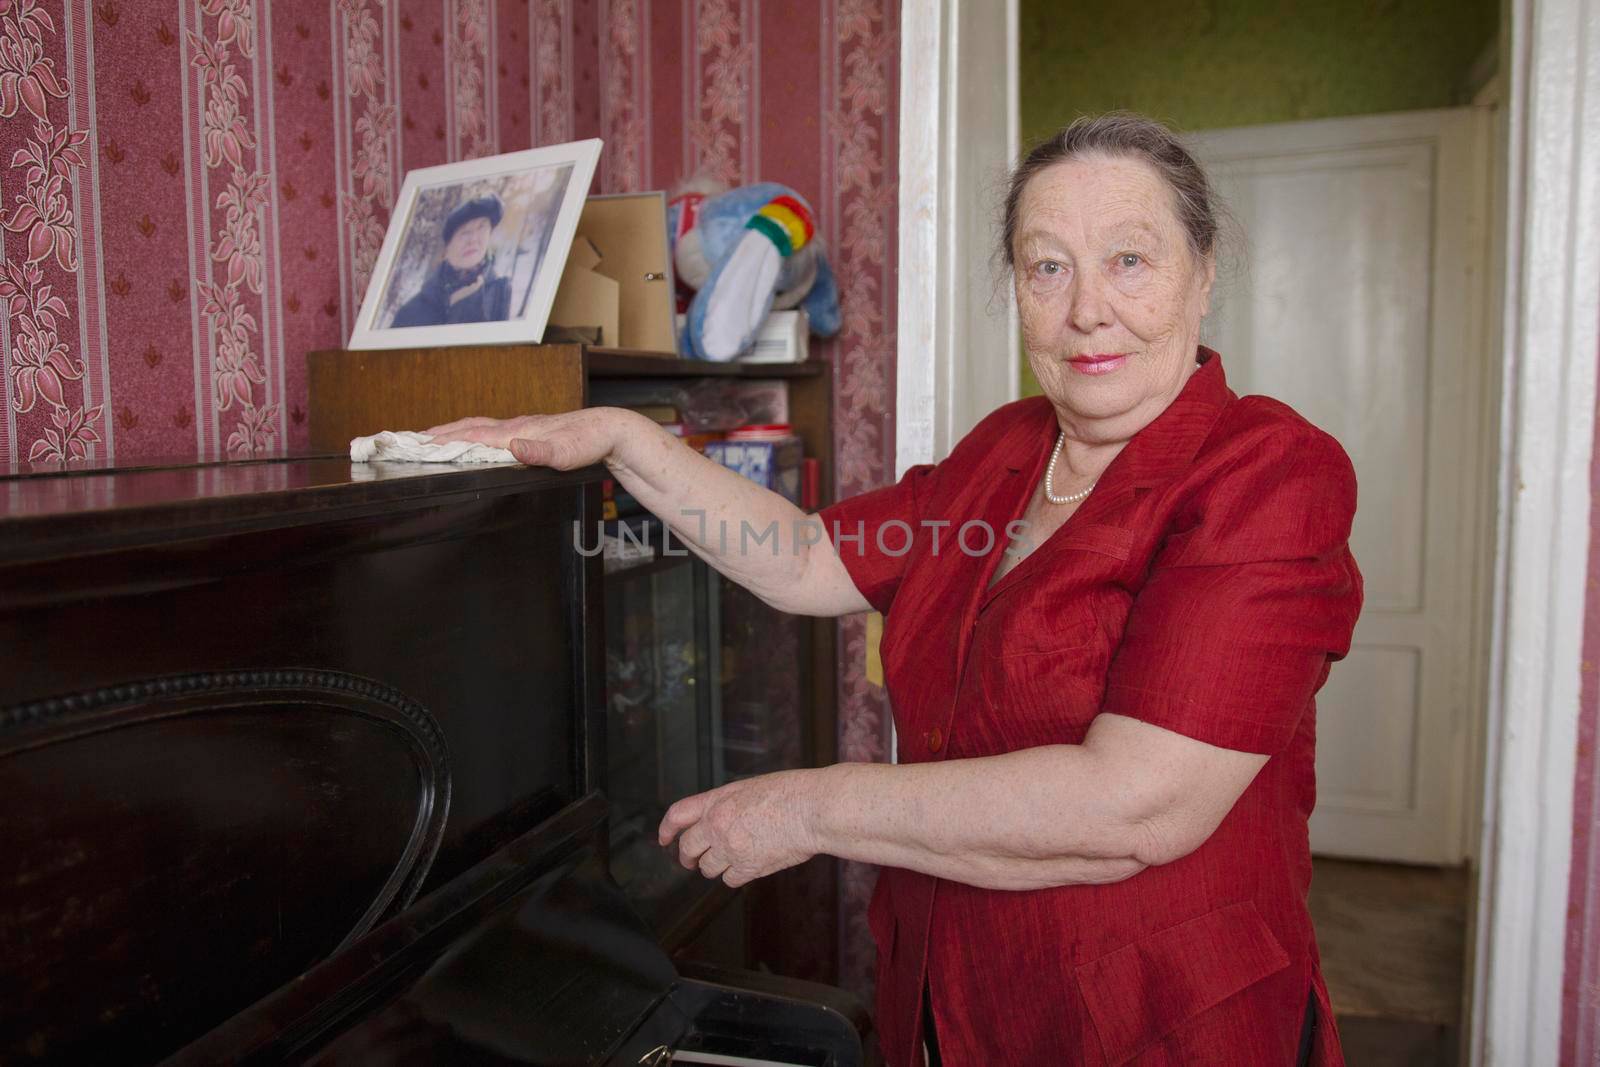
x,y
685,490
567,441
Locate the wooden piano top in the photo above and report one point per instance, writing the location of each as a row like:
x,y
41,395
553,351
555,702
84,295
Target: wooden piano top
x,y
65,509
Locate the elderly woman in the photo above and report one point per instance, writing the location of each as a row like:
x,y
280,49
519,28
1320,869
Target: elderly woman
x,y
1094,845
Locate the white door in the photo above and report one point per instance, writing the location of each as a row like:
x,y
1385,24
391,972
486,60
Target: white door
x,y
1361,304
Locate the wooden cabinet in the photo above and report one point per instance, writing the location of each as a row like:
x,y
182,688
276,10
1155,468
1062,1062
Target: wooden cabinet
x,y
785,923
357,393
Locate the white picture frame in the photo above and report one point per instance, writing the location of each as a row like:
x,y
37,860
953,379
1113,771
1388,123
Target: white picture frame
x,y
496,285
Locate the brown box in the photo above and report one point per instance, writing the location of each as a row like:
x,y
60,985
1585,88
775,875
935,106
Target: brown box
x,y
629,231
355,393
588,296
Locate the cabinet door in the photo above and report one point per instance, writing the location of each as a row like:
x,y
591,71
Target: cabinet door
x,y
703,686
763,701
661,711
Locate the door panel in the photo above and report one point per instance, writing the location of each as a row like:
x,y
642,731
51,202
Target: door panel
x,y
1361,307
1374,747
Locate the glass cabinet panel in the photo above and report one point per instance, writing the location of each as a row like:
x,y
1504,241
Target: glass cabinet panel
x,y
703,686
762,705
660,710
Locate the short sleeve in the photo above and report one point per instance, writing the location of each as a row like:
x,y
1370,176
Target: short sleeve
x,y
1249,603
866,531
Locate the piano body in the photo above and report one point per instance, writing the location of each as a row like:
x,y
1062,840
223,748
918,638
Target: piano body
x,y
304,761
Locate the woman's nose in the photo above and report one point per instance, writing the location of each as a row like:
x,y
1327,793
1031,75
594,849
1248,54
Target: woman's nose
x,y
1089,309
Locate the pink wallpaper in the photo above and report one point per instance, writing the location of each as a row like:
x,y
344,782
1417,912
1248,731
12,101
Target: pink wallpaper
x,y
1580,1026
198,190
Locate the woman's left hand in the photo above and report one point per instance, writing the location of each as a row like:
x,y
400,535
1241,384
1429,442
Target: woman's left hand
x,y
746,829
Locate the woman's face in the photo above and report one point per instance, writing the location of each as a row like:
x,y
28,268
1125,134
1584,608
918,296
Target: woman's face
x,y
469,243
1110,294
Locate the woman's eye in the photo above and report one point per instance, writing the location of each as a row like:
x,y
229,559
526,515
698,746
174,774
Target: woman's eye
x,y
1129,260
1049,268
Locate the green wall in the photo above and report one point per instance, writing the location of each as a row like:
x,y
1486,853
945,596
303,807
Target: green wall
x,y
1203,64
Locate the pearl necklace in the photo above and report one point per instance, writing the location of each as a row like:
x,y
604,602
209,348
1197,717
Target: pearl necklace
x,y
1050,478
1050,471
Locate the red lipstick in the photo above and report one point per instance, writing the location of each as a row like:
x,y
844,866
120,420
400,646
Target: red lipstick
x,y
1097,362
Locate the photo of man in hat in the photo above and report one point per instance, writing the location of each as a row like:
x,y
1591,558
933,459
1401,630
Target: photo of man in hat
x,y
464,286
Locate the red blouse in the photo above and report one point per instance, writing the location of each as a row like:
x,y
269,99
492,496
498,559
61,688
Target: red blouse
x,y
1205,586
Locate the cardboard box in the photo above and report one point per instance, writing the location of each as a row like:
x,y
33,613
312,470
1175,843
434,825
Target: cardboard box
x,y
784,337
587,296
772,464
627,236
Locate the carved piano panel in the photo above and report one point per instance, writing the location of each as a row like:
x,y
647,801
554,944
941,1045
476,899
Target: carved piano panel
x,y
156,829
533,957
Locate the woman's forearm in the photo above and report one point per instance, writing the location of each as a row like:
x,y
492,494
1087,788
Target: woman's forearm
x,y
748,533
1026,820
1132,795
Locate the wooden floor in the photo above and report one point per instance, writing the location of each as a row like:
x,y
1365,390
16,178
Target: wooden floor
x,y
1393,943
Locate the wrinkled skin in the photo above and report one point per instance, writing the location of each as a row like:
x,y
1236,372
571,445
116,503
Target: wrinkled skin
x,y
746,829
1102,265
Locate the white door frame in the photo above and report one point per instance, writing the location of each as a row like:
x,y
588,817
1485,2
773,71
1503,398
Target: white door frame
x,y
1551,315
958,353
1551,336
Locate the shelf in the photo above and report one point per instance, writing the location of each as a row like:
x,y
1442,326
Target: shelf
x,y
628,363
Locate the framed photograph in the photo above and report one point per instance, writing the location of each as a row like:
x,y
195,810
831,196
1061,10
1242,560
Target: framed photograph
x,y
475,249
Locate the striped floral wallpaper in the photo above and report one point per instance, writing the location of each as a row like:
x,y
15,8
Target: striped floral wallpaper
x,y
198,190
1580,1025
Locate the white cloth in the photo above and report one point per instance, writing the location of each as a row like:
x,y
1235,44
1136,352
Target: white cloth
x,y
403,446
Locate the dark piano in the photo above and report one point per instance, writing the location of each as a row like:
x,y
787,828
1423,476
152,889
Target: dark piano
x,y
304,762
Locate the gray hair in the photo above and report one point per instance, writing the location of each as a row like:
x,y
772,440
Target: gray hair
x,y
1124,134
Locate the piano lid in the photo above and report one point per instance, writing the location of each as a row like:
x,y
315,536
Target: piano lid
x,y
534,957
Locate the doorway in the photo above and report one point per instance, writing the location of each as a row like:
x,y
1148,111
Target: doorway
x,y
1362,306
1362,303
1534,877
1348,145
1400,792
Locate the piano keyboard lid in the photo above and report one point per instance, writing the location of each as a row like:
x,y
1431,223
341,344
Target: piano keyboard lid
x,y
533,956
